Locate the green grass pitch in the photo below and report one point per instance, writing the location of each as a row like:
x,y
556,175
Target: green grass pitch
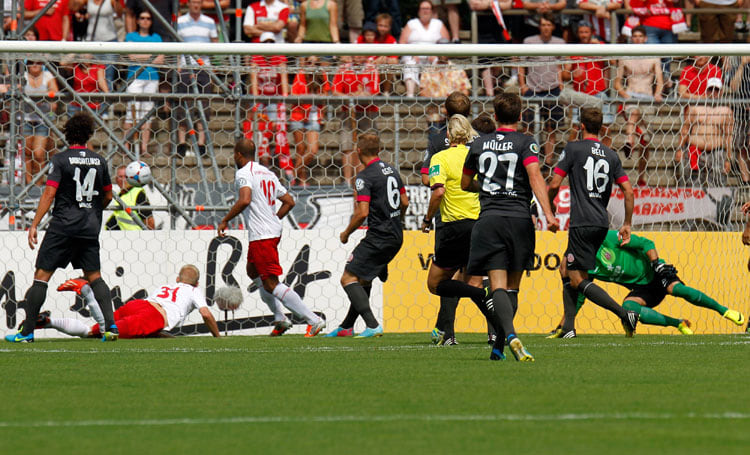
x,y
396,394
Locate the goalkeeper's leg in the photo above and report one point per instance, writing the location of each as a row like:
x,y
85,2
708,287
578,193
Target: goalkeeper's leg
x,y
649,315
698,298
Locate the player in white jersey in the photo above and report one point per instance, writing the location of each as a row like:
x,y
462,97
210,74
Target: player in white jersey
x,y
165,308
259,189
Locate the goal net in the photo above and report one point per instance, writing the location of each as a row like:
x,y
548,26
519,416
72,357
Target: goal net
x,y
678,121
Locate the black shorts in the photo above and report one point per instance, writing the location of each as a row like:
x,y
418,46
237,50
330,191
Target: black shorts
x,y
452,244
501,243
550,111
652,293
371,257
583,244
185,85
59,250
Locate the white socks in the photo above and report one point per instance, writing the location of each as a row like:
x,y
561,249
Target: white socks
x,y
273,304
96,311
69,326
294,303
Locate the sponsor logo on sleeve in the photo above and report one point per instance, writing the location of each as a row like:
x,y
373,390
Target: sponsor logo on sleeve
x,y
359,184
434,170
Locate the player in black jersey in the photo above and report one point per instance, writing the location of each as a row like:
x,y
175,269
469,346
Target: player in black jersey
x,y
381,200
506,166
591,168
79,184
455,103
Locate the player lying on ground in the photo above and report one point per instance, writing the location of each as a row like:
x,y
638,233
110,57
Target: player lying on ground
x,y
637,266
459,211
259,189
165,308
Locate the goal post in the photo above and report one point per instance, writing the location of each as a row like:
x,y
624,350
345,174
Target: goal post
x,y
687,158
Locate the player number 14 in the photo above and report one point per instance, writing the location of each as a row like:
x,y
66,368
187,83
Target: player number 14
x,y
85,189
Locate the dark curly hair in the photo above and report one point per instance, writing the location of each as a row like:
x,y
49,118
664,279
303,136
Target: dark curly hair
x,y
79,129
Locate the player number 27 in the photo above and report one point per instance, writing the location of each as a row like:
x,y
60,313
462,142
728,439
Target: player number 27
x,y
85,188
165,291
597,173
488,166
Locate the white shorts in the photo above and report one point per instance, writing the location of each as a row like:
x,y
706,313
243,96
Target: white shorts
x,y
140,108
412,67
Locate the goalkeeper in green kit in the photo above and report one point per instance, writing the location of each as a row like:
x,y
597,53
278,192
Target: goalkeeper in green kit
x,y
637,266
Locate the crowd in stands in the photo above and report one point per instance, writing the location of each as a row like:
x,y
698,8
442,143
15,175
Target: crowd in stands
x,y
556,89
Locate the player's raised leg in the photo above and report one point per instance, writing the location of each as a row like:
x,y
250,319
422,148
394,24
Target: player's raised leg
x,y
698,298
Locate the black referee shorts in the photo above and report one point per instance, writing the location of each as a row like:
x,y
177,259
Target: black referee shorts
x,y
501,243
452,244
583,244
371,257
59,250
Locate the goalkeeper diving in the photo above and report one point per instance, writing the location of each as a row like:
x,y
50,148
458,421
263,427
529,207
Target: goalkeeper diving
x,y
637,266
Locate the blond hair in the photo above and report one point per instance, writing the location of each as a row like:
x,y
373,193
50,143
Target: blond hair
x,y
189,274
460,130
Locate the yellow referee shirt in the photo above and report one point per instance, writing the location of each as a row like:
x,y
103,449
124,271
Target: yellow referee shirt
x,y
446,169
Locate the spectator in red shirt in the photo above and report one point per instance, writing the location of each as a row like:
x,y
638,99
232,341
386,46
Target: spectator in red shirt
x,y
694,78
266,16
55,24
590,83
693,85
380,33
359,78
267,122
88,77
305,121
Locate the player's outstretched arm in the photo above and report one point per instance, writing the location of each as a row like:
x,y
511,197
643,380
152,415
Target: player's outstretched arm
x,y
44,204
287,204
404,204
435,199
361,210
627,190
210,322
243,200
540,191
553,189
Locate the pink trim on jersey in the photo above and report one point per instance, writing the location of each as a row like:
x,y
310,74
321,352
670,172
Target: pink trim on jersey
x,y
53,183
402,190
372,161
436,186
506,130
468,171
560,172
363,198
529,160
624,178
424,170
591,138
108,187
77,147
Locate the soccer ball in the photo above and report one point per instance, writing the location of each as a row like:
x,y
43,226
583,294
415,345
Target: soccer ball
x,y
228,298
138,173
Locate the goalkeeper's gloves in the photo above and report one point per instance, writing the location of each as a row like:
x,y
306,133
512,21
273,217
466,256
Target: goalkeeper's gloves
x,y
663,270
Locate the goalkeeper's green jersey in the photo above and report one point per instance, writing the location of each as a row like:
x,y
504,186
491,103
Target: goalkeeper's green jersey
x,y
627,265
